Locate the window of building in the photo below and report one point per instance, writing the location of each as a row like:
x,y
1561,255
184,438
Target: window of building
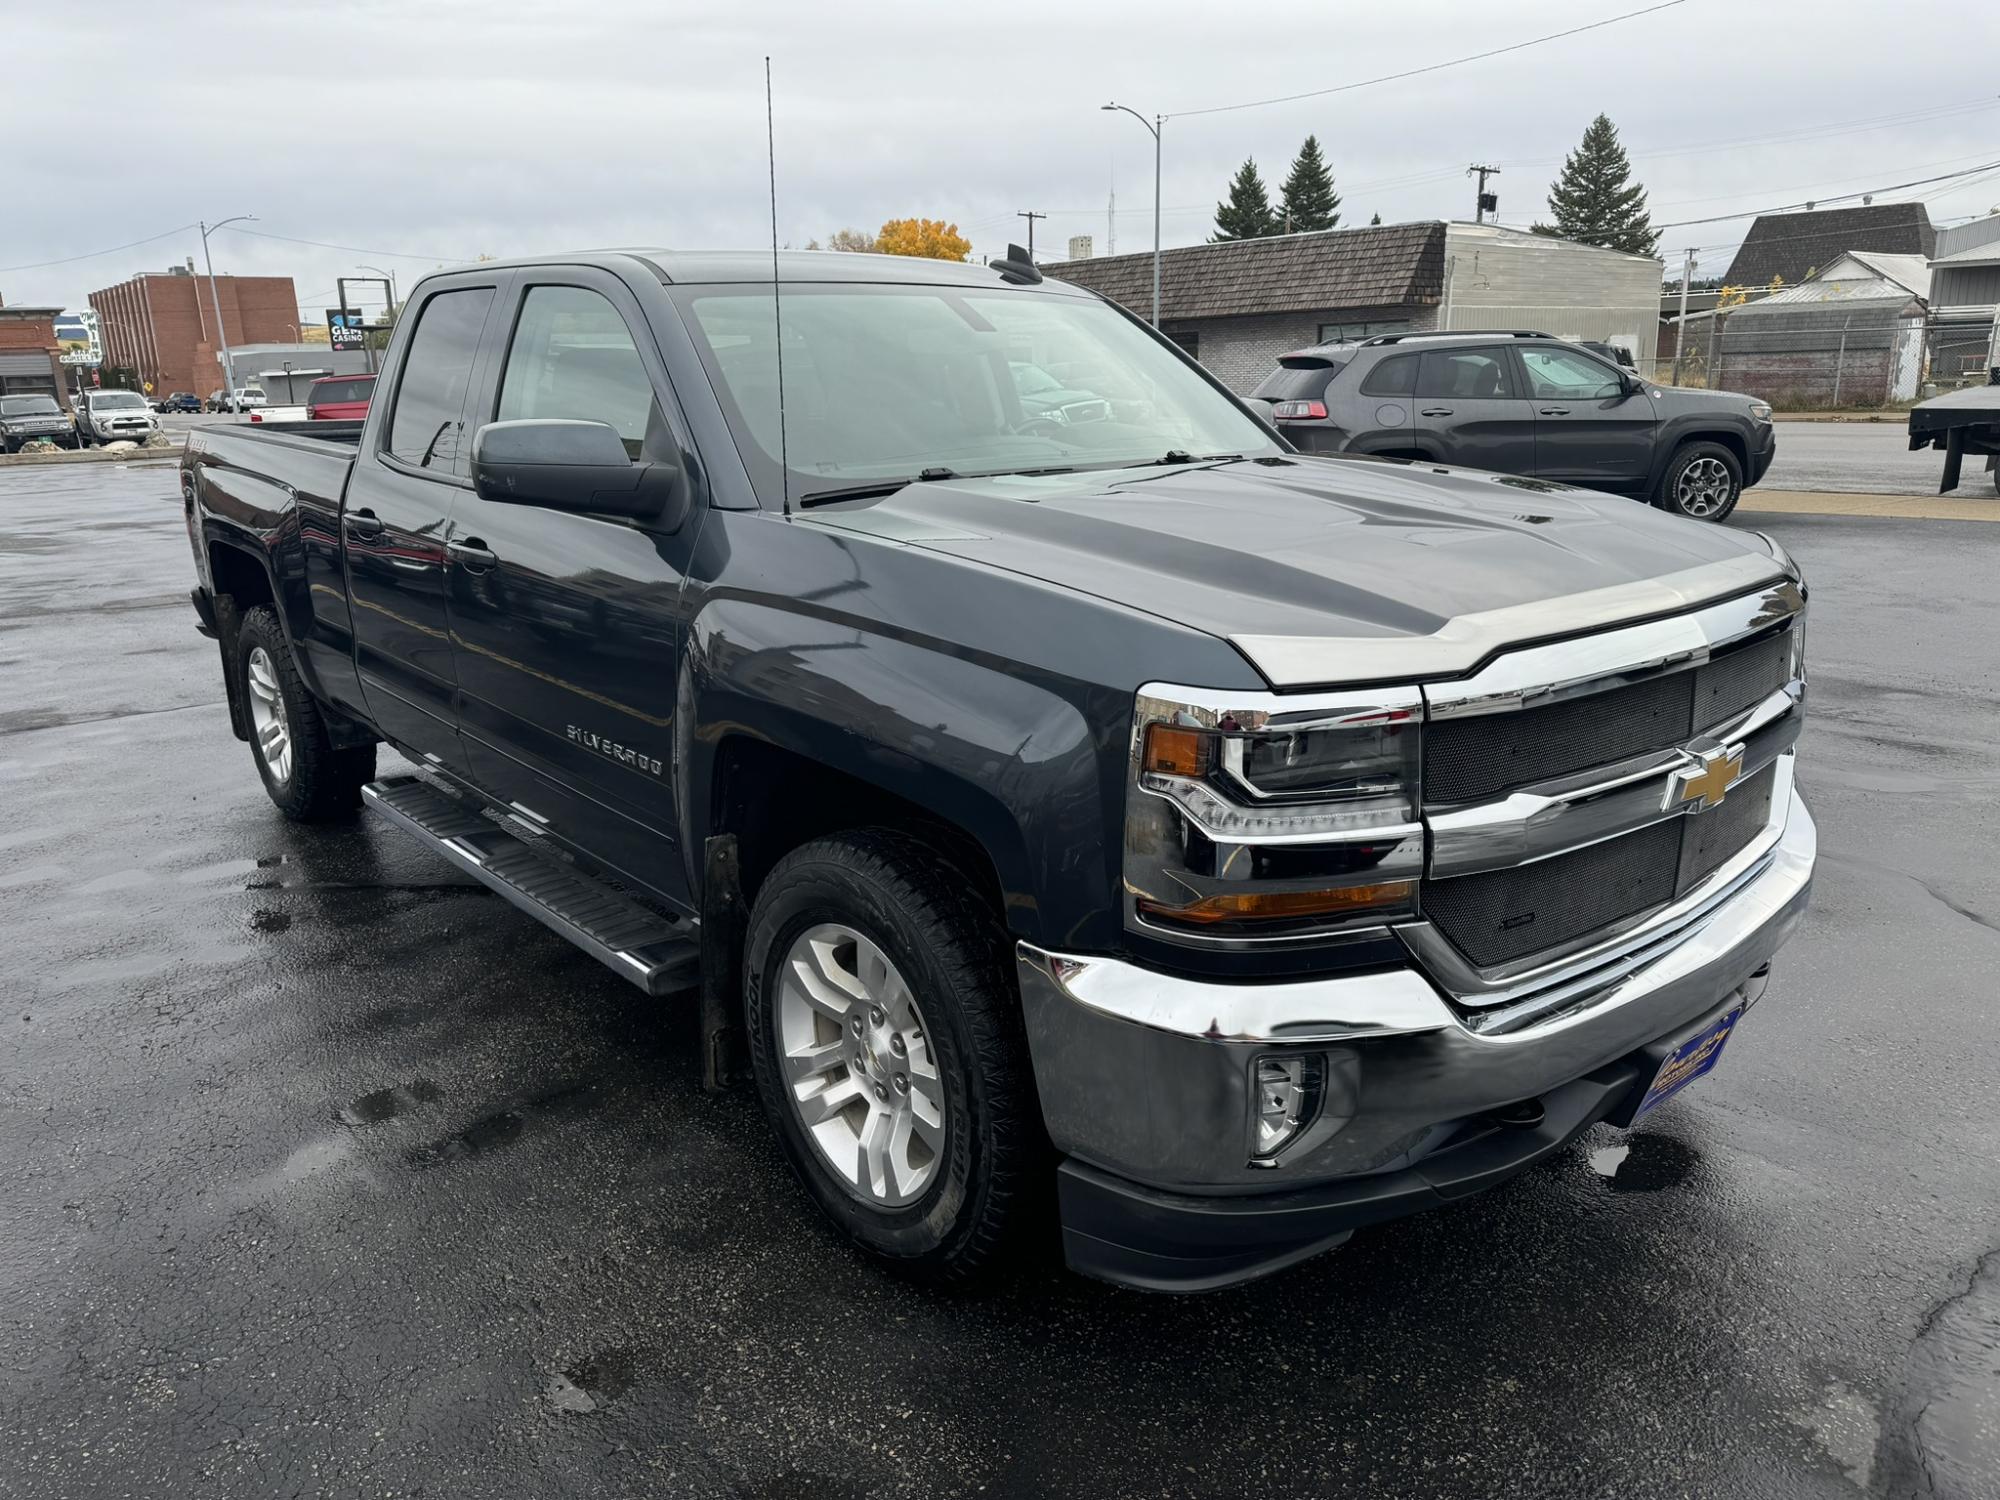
x,y
1351,332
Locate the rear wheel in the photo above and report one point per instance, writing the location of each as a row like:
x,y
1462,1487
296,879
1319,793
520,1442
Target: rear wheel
x,y
885,1038
1703,482
307,776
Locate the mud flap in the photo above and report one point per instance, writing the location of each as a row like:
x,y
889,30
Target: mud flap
x,y
724,918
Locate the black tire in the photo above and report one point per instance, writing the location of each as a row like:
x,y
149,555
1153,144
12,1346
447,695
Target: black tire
x,y
953,954
323,782
1695,501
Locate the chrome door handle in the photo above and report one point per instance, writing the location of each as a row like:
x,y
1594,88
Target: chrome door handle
x,y
362,524
472,555
1435,411
1555,411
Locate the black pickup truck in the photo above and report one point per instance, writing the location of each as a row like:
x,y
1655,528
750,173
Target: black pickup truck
x,y
1263,845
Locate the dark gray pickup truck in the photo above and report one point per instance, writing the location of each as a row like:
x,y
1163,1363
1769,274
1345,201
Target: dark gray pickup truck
x,y
1252,845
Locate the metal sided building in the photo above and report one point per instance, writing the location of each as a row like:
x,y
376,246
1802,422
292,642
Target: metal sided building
x,y
1239,304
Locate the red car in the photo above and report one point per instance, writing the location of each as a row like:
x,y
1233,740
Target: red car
x,y
339,398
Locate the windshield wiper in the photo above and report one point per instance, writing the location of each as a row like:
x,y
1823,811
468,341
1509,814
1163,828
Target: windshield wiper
x,y
872,490
1182,456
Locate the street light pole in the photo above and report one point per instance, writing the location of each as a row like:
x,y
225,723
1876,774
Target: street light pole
x,y
215,297
1154,125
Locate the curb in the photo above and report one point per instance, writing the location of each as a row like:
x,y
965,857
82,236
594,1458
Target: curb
x,y
1886,507
94,455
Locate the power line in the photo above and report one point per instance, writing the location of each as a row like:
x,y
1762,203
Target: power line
x,y
66,260
264,234
1895,187
1455,62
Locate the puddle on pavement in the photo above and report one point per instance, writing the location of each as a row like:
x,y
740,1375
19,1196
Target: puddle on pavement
x,y
387,1104
1644,1163
265,920
1954,1389
480,1138
592,1382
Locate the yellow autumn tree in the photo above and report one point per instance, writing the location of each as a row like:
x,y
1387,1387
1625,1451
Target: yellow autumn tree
x,y
931,238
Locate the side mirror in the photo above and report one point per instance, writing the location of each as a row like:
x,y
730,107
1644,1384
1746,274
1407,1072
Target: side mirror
x,y
572,465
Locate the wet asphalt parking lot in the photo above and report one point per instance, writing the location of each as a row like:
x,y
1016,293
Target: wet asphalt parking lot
x,y
324,1172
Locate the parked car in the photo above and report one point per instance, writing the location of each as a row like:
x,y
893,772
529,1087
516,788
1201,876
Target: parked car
x,y
1291,842
180,401
106,416
242,399
26,418
1617,354
339,398
1524,404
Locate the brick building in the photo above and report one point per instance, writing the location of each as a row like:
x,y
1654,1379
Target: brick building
x,y
162,324
30,356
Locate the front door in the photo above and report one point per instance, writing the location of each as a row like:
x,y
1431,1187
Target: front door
x,y
1591,427
1468,405
566,626
407,476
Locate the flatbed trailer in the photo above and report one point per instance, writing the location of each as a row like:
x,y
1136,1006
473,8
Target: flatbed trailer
x,y
1962,422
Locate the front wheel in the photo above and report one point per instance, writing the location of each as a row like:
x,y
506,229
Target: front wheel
x,y
885,1038
1703,482
308,777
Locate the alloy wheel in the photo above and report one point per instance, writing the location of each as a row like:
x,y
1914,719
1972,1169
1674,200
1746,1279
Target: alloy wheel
x,y
1704,488
858,1066
267,715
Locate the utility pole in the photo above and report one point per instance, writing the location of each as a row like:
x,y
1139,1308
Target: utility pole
x,y
1681,327
1486,202
1030,215
1111,224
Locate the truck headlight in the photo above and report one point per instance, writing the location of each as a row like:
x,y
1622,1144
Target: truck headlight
x,y
1262,816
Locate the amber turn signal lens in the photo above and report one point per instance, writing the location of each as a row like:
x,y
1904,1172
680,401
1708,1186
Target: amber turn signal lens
x,y
1273,906
1177,752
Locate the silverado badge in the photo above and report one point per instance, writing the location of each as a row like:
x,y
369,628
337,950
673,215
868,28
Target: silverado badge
x,y
1706,782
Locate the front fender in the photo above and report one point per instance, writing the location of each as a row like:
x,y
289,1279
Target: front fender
x,y
1005,758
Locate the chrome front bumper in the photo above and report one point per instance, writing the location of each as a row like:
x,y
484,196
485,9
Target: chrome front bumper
x,y
1147,1076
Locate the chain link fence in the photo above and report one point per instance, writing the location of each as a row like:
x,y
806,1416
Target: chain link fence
x,y
1811,357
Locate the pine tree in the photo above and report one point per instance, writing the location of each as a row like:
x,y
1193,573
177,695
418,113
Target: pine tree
x,y
1595,200
1308,200
1247,213
1376,220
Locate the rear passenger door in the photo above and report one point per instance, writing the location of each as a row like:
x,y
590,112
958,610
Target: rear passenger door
x,y
1592,427
566,626
1469,405
409,472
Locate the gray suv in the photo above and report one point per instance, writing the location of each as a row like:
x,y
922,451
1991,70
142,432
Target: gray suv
x,y
1523,403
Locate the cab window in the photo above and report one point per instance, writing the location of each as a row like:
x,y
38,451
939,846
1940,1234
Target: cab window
x,y
425,426
573,357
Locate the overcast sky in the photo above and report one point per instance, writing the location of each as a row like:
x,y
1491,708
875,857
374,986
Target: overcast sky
x,y
429,131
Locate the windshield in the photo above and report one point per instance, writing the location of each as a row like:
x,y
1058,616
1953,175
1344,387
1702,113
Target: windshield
x,y
30,406
117,401
884,382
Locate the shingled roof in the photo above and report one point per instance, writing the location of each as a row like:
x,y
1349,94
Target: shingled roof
x,y
1381,266
1794,245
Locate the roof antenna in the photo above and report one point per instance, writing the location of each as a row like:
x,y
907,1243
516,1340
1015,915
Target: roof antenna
x,y
777,302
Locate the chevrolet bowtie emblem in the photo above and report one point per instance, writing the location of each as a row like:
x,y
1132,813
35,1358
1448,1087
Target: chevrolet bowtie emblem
x,y
1706,783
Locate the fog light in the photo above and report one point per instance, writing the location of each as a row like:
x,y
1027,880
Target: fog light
x,y
1289,1091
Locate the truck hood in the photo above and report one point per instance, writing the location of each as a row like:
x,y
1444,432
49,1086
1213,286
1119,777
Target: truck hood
x,y
1332,569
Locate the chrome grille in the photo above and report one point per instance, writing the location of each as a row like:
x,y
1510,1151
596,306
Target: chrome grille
x,y
1472,758
1505,915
